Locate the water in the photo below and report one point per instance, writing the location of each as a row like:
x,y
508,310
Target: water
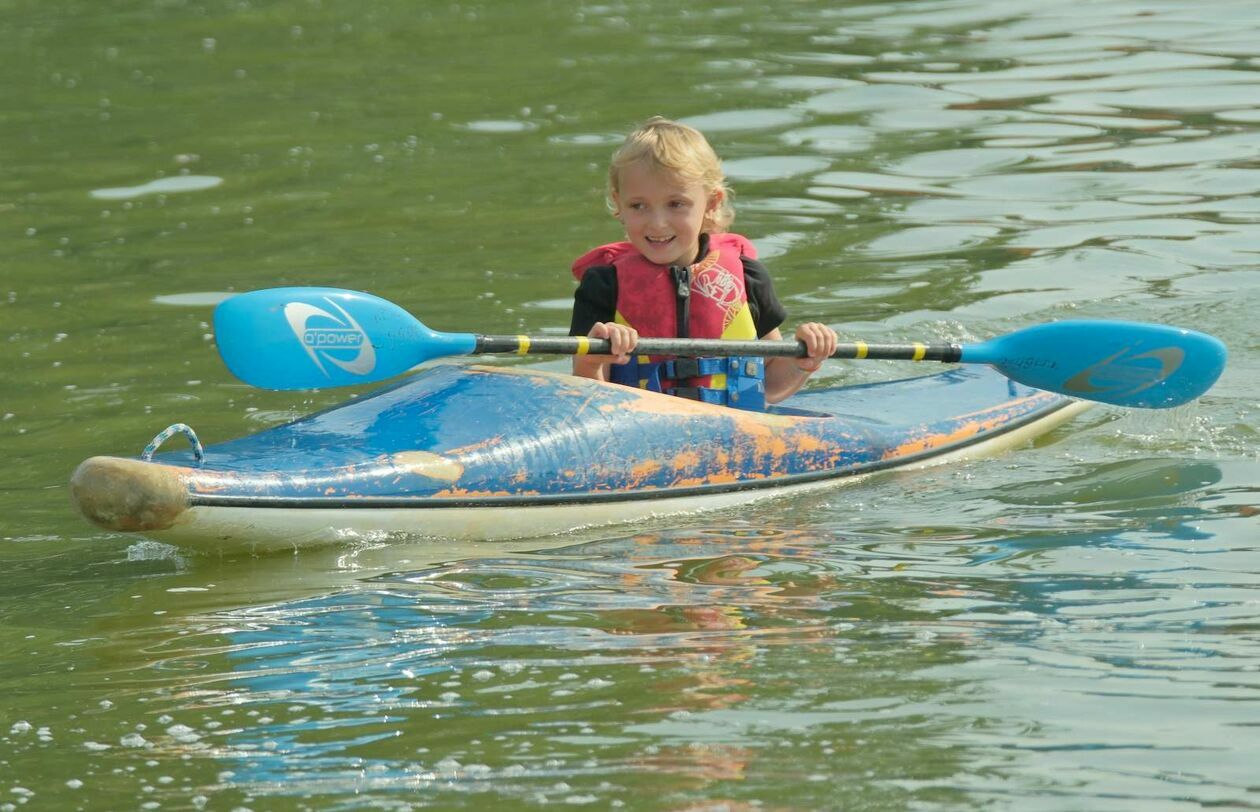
x,y
1073,625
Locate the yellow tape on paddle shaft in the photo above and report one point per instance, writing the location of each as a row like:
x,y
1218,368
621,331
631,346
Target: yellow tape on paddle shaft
x,y
522,345
863,350
583,345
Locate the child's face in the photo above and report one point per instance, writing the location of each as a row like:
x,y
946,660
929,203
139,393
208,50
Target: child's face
x,y
663,213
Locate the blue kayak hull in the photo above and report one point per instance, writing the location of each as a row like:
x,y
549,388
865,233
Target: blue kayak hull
x,y
491,452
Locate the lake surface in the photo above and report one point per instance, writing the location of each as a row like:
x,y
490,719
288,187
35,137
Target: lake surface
x,y
1074,625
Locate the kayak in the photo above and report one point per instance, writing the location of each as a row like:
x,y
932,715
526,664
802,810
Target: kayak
x,y
468,452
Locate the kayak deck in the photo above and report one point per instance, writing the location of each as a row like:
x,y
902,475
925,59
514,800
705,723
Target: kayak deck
x,y
494,453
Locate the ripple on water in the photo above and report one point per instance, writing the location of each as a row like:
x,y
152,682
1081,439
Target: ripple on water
x,y
871,98
1029,49
549,304
1038,129
1019,142
1070,186
498,126
831,138
1112,91
1067,236
791,205
1151,154
1158,200
1112,69
774,245
917,242
202,299
959,163
772,167
693,41
1195,99
838,192
171,185
1232,250
1074,105
825,58
1243,116
797,82
999,212
1082,274
1241,47
935,119
1069,57
1222,282
735,120
271,417
872,182
587,139
1106,122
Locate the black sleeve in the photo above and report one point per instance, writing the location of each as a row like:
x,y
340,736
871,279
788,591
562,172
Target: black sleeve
x,y
595,300
767,311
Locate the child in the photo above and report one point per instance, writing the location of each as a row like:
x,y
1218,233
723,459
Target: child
x,y
682,275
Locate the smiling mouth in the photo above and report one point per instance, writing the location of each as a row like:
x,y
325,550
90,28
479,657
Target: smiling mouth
x,y
659,240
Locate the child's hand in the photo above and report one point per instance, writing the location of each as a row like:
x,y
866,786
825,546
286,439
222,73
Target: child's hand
x,y
820,341
622,337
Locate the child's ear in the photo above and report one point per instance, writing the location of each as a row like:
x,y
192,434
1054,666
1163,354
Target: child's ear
x,y
711,210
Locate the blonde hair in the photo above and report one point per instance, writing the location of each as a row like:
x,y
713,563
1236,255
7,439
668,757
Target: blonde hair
x,y
683,150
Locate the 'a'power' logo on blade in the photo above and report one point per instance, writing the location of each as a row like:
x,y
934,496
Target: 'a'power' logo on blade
x,y
339,340
1128,373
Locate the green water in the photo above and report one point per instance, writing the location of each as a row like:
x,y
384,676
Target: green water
x,y
1075,625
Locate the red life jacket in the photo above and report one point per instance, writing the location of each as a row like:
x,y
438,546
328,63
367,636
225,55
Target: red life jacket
x,y
705,300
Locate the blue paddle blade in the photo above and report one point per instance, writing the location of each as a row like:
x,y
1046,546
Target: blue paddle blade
x,y
1126,363
310,338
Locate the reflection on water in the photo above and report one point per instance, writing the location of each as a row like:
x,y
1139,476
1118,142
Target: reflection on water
x,y
1071,626
577,674
171,185
677,662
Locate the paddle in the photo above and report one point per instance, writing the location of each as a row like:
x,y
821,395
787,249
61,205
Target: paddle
x,y
312,338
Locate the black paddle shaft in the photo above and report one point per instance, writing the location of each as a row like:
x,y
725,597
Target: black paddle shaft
x,y
699,347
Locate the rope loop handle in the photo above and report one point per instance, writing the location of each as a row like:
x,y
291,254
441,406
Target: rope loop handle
x,y
167,433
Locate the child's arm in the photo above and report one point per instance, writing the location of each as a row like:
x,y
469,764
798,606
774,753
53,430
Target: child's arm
x,y
623,340
786,375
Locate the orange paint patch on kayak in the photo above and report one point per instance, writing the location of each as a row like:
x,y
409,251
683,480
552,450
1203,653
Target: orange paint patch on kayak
x,y
426,463
929,442
761,442
809,443
489,445
714,478
775,446
645,469
686,459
